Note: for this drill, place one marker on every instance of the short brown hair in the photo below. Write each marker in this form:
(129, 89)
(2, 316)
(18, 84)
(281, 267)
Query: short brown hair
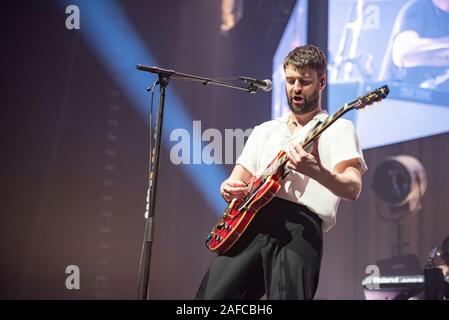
(308, 56)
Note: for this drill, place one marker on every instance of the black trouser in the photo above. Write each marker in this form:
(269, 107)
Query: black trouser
(279, 255)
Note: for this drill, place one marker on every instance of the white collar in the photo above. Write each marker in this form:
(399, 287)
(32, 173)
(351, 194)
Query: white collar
(320, 116)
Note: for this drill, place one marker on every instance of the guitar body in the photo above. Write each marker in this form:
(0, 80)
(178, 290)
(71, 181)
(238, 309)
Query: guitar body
(239, 213)
(238, 216)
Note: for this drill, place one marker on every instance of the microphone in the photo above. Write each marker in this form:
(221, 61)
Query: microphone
(265, 85)
(145, 68)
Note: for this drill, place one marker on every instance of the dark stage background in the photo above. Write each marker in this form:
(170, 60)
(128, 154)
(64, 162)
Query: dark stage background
(75, 155)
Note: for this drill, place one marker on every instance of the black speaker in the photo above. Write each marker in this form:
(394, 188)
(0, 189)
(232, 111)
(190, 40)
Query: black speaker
(434, 283)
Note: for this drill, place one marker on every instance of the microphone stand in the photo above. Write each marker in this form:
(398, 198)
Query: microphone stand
(164, 77)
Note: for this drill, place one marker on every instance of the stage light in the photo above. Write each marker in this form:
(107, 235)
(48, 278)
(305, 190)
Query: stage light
(112, 37)
(399, 180)
(399, 183)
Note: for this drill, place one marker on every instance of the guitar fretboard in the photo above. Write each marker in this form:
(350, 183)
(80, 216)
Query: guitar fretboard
(361, 102)
(311, 135)
(371, 97)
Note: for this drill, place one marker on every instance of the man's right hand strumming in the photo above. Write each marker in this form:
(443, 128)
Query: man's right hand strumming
(231, 189)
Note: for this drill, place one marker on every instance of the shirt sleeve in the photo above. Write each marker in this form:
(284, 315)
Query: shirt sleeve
(345, 145)
(249, 155)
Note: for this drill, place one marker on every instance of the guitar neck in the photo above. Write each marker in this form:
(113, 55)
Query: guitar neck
(359, 103)
(317, 131)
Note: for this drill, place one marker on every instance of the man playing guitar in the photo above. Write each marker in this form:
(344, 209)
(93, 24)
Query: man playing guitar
(279, 254)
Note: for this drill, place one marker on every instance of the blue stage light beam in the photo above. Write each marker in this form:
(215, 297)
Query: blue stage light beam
(111, 36)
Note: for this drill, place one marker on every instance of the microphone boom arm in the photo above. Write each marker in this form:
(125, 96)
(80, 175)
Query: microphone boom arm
(184, 76)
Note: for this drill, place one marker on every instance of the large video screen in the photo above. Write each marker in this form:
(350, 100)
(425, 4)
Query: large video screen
(401, 43)
(295, 34)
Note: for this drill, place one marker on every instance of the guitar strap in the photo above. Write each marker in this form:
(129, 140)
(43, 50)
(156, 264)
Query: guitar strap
(304, 131)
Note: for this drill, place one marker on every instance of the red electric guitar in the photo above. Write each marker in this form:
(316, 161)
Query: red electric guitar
(239, 213)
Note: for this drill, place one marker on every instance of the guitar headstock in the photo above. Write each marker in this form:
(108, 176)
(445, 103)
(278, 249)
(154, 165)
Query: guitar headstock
(369, 98)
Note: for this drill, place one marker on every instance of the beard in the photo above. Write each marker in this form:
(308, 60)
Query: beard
(309, 104)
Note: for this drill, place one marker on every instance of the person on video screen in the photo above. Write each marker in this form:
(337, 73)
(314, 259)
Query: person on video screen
(418, 53)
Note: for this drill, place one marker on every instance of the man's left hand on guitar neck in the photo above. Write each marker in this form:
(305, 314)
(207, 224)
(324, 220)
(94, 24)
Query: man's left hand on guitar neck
(344, 181)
